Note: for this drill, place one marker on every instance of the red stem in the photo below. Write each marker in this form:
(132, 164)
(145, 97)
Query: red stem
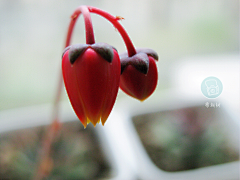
(114, 20)
(89, 40)
(88, 25)
(54, 127)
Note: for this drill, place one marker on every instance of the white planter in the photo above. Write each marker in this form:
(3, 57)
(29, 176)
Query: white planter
(40, 115)
(121, 143)
(127, 144)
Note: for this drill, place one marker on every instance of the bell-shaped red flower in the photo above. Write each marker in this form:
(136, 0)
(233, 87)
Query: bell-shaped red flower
(139, 73)
(91, 75)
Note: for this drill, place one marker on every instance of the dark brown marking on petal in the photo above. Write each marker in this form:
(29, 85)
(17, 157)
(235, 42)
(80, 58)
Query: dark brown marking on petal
(149, 52)
(104, 50)
(65, 50)
(76, 50)
(140, 61)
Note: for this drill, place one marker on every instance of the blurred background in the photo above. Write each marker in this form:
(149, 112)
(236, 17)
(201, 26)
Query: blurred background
(195, 39)
(32, 36)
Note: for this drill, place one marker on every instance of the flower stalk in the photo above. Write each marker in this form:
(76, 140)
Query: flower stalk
(44, 159)
(92, 74)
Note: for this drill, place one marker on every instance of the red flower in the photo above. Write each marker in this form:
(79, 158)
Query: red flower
(91, 75)
(91, 71)
(139, 74)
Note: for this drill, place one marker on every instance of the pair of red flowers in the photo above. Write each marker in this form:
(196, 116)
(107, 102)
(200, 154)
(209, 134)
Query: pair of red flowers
(93, 72)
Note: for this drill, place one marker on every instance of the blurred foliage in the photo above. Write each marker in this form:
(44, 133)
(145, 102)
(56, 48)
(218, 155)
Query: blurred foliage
(184, 139)
(75, 154)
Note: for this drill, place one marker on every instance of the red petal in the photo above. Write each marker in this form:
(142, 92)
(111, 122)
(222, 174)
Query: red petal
(92, 84)
(91, 71)
(137, 84)
(113, 81)
(70, 81)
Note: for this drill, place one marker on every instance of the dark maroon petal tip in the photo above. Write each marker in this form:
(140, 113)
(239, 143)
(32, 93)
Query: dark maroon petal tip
(149, 52)
(140, 61)
(76, 50)
(104, 50)
(65, 50)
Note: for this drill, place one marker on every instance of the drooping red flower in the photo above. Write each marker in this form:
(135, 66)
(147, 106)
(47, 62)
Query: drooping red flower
(91, 71)
(91, 75)
(139, 73)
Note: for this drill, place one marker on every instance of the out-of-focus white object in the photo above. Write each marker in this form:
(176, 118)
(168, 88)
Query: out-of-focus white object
(40, 115)
(120, 141)
(125, 141)
(188, 74)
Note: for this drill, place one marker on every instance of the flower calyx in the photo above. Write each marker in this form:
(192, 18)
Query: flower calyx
(103, 49)
(140, 60)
